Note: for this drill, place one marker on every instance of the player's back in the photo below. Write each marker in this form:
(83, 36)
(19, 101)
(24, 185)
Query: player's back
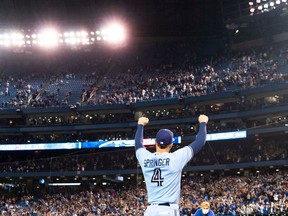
(162, 173)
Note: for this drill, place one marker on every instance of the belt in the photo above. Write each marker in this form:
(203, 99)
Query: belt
(160, 204)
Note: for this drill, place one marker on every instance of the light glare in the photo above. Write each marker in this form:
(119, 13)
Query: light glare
(49, 37)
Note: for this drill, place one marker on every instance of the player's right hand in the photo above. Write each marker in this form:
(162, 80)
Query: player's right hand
(143, 121)
(203, 118)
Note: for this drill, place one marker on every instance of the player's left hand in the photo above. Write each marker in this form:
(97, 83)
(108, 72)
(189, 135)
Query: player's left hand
(143, 121)
(203, 118)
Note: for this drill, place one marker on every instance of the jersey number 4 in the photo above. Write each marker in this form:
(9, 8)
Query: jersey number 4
(156, 177)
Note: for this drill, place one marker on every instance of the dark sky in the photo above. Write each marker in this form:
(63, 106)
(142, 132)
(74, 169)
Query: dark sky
(145, 18)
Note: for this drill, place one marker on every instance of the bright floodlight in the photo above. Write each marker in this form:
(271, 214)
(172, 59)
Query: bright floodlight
(13, 38)
(84, 33)
(48, 38)
(114, 33)
(76, 37)
(7, 43)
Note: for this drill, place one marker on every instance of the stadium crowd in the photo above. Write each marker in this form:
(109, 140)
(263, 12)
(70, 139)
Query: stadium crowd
(250, 194)
(159, 113)
(260, 149)
(129, 79)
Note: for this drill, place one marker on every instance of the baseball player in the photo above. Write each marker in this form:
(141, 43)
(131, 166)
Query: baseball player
(162, 169)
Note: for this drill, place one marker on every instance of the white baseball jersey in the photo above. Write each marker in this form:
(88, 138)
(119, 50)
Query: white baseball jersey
(162, 173)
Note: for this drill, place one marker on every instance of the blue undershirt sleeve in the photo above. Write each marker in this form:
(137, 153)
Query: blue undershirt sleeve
(200, 140)
(139, 137)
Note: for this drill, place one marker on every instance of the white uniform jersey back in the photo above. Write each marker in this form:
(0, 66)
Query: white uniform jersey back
(162, 173)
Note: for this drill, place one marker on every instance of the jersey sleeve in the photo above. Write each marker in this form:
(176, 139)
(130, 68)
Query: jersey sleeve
(139, 137)
(200, 140)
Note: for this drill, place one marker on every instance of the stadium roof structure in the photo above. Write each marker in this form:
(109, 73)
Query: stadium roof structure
(150, 18)
(146, 18)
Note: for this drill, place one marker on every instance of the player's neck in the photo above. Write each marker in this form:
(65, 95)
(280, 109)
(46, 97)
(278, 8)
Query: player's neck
(162, 150)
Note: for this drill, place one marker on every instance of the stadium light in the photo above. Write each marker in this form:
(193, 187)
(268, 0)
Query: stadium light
(76, 37)
(7, 43)
(112, 33)
(116, 32)
(103, 32)
(13, 38)
(48, 38)
(264, 5)
(64, 184)
(84, 33)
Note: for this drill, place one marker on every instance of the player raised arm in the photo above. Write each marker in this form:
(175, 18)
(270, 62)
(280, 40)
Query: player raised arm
(200, 140)
(142, 121)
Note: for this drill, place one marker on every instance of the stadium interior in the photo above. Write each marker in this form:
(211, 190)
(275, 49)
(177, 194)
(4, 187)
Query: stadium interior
(76, 76)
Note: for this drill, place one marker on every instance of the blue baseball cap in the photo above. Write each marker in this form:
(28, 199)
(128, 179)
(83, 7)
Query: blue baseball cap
(164, 137)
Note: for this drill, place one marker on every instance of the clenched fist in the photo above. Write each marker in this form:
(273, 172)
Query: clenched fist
(203, 118)
(143, 121)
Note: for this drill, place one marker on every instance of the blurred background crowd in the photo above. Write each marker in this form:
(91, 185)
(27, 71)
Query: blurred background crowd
(255, 194)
